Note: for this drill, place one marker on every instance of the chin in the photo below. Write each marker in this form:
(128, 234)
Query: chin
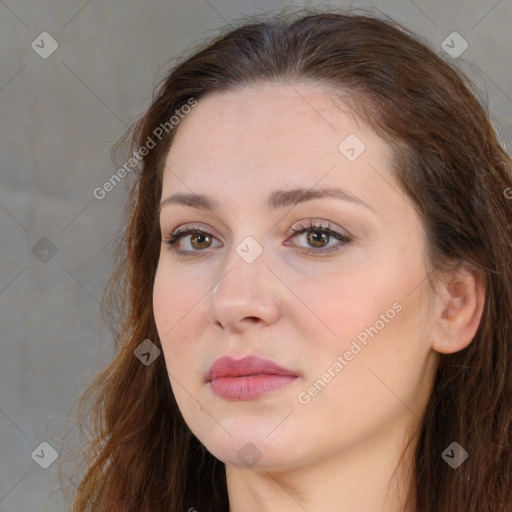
(250, 448)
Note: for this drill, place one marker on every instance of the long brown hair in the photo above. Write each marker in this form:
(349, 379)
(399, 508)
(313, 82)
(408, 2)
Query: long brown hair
(141, 456)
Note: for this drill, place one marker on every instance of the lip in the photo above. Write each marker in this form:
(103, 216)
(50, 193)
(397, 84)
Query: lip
(248, 378)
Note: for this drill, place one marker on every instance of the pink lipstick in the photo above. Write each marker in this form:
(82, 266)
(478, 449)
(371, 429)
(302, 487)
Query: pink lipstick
(247, 378)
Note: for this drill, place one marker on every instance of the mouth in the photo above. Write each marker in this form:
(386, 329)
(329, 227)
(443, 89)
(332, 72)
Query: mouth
(248, 378)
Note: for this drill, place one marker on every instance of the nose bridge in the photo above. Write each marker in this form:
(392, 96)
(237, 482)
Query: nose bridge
(244, 267)
(243, 289)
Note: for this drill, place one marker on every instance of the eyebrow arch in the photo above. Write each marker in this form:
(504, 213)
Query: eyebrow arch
(277, 199)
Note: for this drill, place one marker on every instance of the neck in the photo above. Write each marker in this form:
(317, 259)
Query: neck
(370, 477)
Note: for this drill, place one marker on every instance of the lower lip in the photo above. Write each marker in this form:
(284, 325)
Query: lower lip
(250, 387)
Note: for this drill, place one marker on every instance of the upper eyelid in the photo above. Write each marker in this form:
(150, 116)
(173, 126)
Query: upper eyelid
(305, 221)
(183, 230)
(308, 223)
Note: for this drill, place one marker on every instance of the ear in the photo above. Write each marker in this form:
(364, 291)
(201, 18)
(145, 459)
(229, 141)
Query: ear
(462, 302)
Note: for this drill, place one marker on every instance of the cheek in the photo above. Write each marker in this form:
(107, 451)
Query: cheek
(163, 291)
(340, 306)
(380, 327)
(367, 314)
(175, 310)
(176, 332)
(376, 356)
(176, 299)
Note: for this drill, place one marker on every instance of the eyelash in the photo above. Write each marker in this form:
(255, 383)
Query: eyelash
(179, 233)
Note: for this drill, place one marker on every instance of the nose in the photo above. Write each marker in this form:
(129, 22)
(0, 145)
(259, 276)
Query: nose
(245, 295)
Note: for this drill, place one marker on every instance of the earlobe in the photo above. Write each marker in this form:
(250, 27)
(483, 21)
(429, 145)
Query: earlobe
(461, 310)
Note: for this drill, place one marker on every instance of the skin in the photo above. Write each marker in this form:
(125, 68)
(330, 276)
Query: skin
(340, 450)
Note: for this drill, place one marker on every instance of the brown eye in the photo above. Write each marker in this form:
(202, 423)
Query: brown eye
(318, 239)
(189, 241)
(202, 240)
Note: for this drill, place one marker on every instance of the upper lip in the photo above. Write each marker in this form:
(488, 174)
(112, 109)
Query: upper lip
(249, 365)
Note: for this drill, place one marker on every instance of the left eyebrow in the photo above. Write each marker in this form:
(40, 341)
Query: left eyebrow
(277, 199)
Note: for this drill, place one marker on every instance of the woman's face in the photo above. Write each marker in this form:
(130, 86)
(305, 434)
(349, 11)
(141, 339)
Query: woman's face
(348, 318)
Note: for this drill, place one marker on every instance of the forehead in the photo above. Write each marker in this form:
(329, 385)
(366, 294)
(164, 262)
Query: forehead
(268, 109)
(281, 134)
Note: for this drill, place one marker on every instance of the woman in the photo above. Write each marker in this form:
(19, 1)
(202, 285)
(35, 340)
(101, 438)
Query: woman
(314, 287)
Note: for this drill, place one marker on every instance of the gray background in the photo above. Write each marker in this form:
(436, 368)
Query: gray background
(60, 116)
